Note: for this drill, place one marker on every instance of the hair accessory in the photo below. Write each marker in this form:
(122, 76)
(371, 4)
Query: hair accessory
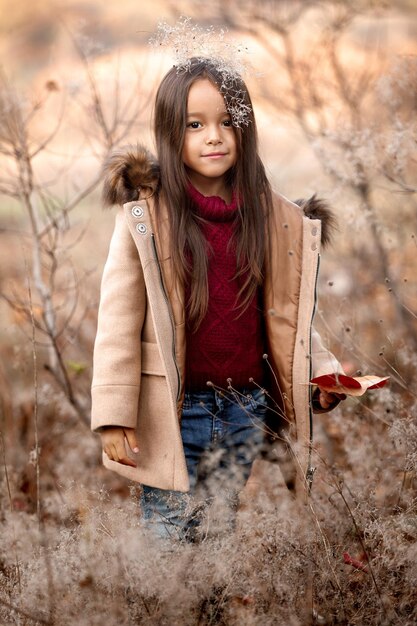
(188, 40)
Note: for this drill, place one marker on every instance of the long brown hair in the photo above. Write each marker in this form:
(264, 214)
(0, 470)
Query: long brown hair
(247, 178)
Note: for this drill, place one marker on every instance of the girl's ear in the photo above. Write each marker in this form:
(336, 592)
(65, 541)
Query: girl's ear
(126, 172)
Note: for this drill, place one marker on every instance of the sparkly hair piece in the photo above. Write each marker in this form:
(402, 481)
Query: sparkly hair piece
(188, 40)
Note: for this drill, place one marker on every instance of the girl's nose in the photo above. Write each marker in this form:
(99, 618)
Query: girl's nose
(213, 136)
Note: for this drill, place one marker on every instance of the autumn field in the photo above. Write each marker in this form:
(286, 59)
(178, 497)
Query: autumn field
(334, 90)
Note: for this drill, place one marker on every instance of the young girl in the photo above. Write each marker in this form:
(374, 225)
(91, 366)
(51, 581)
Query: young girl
(207, 300)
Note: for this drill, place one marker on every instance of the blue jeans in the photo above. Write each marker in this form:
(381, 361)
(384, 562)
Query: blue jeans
(222, 432)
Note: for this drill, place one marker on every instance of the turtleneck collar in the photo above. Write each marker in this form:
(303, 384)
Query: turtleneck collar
(213, 208)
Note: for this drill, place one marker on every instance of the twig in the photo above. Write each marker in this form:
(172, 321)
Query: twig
(339, 489)
(35, 389)
(38, 498)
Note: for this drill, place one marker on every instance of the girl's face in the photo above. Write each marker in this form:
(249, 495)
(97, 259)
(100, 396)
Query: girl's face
(209, 149)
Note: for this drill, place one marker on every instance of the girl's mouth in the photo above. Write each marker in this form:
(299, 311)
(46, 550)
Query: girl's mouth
(214, 155)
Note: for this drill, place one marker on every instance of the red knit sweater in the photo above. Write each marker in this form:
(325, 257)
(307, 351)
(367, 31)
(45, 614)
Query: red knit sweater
(225, 345)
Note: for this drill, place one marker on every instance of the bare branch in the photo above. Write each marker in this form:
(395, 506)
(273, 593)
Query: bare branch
(41, 147)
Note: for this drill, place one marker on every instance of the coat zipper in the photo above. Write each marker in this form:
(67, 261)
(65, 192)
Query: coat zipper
(310, 469)
(174, 356)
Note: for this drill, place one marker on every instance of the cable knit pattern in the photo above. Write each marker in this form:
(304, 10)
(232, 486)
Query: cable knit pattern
(225, 345)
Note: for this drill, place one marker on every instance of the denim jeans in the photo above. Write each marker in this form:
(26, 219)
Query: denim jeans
(222, 432)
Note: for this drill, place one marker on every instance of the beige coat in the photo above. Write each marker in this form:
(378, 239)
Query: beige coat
(139, 353)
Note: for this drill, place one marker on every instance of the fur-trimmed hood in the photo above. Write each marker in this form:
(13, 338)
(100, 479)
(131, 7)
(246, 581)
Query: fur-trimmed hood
(128, 172)
(132, 172)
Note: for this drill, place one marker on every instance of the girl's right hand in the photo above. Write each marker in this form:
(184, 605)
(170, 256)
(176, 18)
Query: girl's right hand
(113, 442)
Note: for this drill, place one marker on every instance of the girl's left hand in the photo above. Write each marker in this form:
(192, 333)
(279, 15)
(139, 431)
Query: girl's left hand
(328, 400)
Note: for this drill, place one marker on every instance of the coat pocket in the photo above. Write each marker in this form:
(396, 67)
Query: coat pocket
(151, 359)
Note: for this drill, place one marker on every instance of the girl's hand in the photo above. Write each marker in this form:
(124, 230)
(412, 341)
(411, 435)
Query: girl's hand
(328, 400)
(113, 442)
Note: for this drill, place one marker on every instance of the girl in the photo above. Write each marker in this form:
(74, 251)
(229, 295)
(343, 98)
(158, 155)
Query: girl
(207, 299)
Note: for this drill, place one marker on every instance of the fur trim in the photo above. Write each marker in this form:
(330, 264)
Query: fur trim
(127, 172)
(318, 209)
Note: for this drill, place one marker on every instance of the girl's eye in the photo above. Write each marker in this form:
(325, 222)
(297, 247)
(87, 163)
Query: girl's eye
(193, 125)
(227, 123)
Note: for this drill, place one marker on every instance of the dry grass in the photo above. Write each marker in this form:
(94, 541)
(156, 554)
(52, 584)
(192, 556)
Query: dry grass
(90, 562)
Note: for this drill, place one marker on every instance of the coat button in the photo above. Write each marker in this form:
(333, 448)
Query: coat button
(141, 228)
(137, 211)
(314, 231)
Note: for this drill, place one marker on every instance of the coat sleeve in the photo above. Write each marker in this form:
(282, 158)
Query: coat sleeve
(117, 356)
(324, 362)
